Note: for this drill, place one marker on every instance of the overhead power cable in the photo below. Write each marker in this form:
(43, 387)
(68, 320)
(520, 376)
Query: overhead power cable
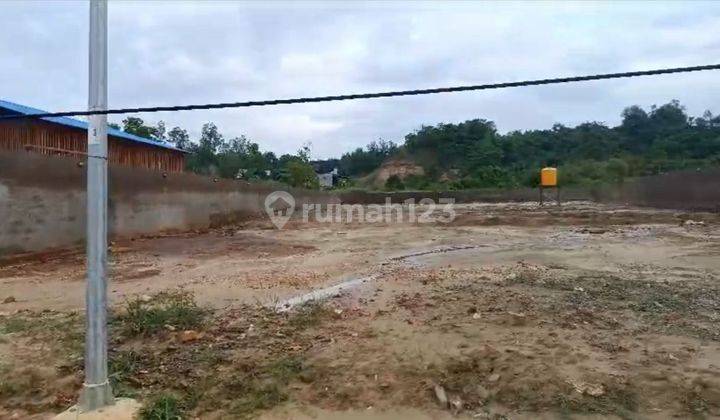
(314, 99)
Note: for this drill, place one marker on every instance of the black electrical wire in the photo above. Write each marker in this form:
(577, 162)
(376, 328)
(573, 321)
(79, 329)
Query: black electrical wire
(273, 102)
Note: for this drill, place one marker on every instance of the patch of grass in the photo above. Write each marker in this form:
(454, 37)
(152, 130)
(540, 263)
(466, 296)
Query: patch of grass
(619, 400)
(695, 403)
(261, 387)
(66, 329)
(660, 300)
(489, 376)
(208, 356)
(148, 316)
(256, 397)
(7, 388)
(648, 297)
(162, 407)
(18, 324)
(285, 369)
(122, 366)
(30, 386)
(311, 315)
(24, 384)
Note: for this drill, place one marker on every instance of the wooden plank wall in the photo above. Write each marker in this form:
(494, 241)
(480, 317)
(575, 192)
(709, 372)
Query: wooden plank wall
(54, 139)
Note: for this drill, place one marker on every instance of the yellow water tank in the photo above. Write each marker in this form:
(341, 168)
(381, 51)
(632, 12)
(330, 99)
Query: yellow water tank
(548, 177)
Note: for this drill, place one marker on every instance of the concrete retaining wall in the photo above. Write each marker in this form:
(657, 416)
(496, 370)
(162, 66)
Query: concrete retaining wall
(42, 201)
(464, 196)
(696, 190)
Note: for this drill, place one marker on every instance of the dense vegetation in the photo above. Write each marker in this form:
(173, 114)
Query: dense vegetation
(238, 157)
(663, 139)
(473, 154)
(363, 161)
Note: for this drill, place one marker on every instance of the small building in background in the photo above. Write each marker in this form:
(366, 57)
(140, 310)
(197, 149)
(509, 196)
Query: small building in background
(328, 180)
(326, 172)
(62, 136)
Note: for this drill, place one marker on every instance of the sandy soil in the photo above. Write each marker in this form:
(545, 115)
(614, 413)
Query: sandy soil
(257, 262)
(513, 311)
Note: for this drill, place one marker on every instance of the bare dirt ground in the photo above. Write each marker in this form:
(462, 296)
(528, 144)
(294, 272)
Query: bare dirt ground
(509, 311)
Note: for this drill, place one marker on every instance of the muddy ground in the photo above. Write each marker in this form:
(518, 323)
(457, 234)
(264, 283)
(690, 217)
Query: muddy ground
(509, 311)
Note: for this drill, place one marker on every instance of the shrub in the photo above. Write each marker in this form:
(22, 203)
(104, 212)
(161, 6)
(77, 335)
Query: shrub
(162, 407)
(148, 316)
(394, 183)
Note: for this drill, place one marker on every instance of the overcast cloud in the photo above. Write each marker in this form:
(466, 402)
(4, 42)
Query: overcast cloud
(163, 53)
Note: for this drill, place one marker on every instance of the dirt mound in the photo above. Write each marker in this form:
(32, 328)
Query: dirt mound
(398, 167)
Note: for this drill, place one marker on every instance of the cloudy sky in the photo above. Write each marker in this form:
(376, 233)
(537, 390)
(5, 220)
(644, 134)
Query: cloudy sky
(163, 53)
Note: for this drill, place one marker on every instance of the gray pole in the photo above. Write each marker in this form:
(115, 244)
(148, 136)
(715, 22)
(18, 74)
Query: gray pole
(96, 391)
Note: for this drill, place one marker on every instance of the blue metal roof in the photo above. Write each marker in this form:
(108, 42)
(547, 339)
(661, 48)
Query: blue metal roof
(83, 125)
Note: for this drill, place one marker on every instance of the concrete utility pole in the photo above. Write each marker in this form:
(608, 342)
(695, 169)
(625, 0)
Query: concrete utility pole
(96, 391)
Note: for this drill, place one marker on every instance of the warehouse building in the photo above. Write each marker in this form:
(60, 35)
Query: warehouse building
(62, 136)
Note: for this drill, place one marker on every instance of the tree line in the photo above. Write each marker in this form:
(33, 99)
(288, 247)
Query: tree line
(237, 157)
(473, 154)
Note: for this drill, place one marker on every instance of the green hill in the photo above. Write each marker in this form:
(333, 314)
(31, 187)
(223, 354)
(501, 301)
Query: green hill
(473, 154)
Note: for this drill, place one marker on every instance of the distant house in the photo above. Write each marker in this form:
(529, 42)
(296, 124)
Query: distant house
(327, 180)
(64, 136)
(241, 173)
(326, 172)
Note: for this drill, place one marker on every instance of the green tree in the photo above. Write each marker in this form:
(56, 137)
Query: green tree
(298, 173)
(160, 131)
(204, 158)
(242, 158)
(637, 129)
(210, 138)
(136, 125)
(665, 138)
(617, 170)
(669, 118)
(363, 161)
(179, 137)
(473, 154)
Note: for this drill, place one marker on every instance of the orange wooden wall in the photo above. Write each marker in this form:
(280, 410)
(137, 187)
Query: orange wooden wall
(53, 139)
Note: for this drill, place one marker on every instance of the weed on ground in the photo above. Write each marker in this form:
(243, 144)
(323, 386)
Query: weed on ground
(162, 407)
(240, 367)
(662, 306)
(166, 310)
(249, 359)
(311, 314)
